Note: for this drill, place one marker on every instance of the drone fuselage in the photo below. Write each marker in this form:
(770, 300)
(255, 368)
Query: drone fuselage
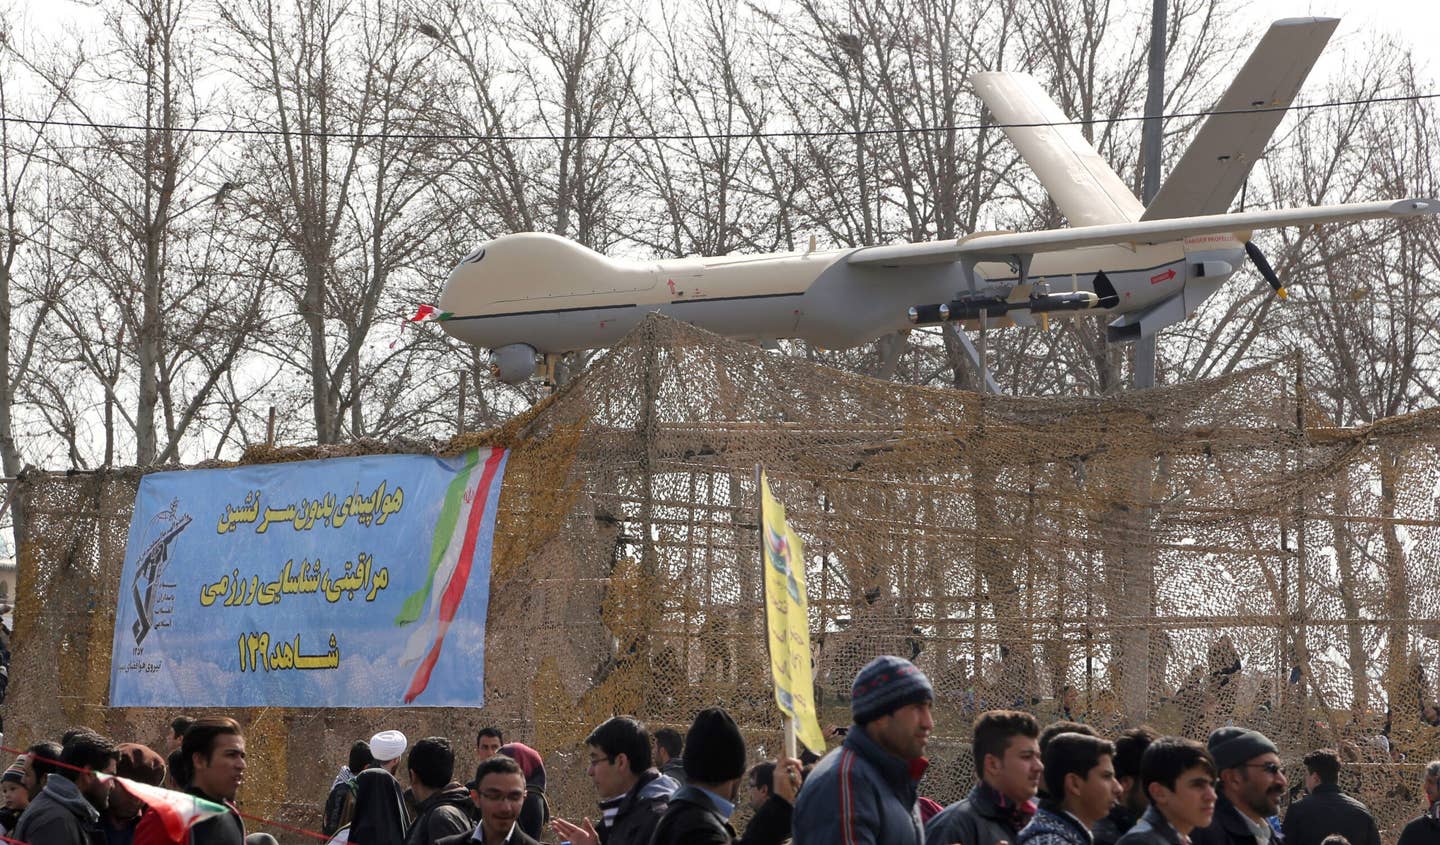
(557, 296)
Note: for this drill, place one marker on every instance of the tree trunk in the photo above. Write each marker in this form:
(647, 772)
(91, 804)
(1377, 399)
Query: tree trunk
(1356, 656)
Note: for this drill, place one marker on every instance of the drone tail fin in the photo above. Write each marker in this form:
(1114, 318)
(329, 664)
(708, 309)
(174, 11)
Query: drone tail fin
(1079, 180)
(1214, 167)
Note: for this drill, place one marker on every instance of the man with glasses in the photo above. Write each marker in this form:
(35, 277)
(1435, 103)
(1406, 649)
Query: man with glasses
(1251, 786)
(500, 793)
(633, 794)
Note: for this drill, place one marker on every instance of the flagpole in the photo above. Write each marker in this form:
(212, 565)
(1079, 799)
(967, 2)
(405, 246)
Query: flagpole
(787, 723)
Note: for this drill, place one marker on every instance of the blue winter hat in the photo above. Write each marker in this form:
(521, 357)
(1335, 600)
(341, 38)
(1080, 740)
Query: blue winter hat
(885, 685)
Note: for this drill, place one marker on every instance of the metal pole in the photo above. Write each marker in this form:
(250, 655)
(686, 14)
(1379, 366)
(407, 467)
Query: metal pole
(1154, 103)
(1142, 374)
(1137, 559)
(460, 421)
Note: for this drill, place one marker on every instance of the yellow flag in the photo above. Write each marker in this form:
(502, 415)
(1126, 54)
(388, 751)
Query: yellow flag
(787, 617)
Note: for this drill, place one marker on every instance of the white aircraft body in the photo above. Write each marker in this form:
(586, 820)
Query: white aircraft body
(530, 294)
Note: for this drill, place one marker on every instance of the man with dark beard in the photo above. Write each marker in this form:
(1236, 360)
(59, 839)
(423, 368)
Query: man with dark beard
(1251, 786)
(67, 811)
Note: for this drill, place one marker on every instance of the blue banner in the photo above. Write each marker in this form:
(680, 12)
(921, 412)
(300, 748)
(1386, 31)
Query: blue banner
(352, 582)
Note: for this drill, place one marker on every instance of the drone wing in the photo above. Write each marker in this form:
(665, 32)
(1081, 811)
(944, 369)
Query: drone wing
(1003, 246)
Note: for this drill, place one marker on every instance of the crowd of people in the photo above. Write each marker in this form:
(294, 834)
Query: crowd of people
(60, 793)
(1060, 785)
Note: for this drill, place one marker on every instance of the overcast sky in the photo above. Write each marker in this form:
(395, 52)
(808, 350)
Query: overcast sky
(1417, 22)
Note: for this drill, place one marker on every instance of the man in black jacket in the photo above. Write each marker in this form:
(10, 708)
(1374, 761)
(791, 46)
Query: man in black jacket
(67, 810)
(444, 805)
(1327, 810)
(1425, 830)
(500, 791)
(214, 750)
(1007, 760)
(1252, 783)
(699, 812)
(633, 795)
(773, 801)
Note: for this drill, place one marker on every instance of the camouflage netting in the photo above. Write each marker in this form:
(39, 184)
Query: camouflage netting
(1186, 557)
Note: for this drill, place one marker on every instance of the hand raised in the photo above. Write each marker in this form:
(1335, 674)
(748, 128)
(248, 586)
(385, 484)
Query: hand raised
(577, 835)
(787, 778)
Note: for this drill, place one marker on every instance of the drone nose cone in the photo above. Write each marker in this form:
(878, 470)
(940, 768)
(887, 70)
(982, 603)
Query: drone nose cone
(527, 265)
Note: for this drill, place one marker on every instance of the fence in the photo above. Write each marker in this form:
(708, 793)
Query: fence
(1187, 557)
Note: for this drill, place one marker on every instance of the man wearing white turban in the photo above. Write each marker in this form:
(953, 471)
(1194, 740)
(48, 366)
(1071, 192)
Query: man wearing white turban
(387, 747)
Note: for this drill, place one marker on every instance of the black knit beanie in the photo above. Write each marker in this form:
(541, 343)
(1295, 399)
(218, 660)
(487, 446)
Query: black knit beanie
(714, 748)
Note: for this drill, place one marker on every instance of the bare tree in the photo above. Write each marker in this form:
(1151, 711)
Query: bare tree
(147, 232)
(342, 90)
(22, 167)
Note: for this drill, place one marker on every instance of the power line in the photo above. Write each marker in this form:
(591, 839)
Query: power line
(695, 136)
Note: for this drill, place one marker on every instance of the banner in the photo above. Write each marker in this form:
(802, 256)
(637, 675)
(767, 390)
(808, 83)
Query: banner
(788, 619)
(352, 582)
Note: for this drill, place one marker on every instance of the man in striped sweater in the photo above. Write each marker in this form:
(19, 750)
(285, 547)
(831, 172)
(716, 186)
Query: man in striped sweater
(865, 791)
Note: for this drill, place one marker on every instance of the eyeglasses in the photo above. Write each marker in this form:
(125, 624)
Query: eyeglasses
(595, 761)
(1270, 768)
(497, 795)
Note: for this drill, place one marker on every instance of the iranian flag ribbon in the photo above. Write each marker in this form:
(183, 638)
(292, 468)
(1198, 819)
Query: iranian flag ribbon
(429, 313)
(178, 811)
(464, 533)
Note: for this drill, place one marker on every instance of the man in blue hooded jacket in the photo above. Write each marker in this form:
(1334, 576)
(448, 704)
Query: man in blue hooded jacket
(865, 791)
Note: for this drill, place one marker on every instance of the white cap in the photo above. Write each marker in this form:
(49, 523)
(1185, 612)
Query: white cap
(387, 745)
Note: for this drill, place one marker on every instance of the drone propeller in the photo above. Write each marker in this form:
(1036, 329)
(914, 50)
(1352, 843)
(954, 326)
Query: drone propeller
(1258, 259)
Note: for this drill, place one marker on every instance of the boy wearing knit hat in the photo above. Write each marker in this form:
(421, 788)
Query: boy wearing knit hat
(865, 791)
(699, 812)
(15, 797)
(1251, 786)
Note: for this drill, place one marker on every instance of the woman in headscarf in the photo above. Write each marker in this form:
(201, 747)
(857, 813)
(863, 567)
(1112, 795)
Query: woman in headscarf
(379, 816)
(535, 813)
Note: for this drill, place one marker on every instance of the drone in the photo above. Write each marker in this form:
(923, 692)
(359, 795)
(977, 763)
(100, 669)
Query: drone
(529, 297)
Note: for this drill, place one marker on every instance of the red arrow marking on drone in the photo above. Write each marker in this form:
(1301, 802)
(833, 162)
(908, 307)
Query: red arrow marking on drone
(1163, 277)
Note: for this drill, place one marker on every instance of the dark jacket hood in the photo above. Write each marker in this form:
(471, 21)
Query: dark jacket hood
(452, 793)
